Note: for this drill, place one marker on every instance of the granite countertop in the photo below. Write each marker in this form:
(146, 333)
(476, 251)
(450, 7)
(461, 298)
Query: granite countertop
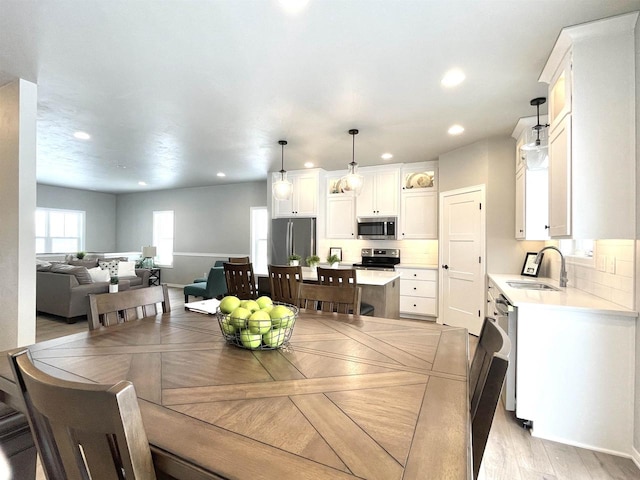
(566, 297)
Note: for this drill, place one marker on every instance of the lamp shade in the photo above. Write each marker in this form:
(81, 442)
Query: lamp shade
(148, 252)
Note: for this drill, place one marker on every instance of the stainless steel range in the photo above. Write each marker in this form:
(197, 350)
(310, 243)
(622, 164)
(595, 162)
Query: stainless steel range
(378, 259)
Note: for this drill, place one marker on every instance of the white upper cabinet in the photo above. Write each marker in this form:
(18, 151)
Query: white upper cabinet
(341, 209)
(380, 192)
(304, 199)
(532, 189)
(419, 201)
(592, 104)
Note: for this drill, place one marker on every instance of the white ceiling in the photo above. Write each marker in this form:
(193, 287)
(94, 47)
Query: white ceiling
(173, 92)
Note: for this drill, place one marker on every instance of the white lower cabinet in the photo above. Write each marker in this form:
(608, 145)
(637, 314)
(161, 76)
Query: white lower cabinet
(418, 292)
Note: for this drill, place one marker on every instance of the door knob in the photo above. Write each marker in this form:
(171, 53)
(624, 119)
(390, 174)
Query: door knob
(446, 267)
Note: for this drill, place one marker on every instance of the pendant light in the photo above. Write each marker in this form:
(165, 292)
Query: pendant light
(282, 188)
(535, 151)
(352, 182)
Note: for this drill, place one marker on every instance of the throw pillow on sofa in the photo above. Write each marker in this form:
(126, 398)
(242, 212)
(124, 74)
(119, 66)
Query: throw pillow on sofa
(126, 269)
(81, 273)
(99, 275)
(111, 266)
(84, 263)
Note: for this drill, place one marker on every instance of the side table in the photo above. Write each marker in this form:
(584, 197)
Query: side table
(154, 276)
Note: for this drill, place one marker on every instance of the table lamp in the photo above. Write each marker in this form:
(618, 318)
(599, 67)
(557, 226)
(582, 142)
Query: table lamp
(148, 253)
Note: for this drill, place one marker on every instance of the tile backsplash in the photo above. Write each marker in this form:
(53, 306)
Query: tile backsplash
(609, 274)
(419, 252)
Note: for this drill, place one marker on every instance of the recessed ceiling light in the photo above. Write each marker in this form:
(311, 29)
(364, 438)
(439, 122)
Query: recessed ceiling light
(82, 135)
(386, 156)
(220, 174)
(293, 7)
(142, 184)
(455, 129)
(308, 164)
(453, 77)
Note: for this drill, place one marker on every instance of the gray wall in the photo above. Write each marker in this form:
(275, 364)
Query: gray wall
(100, 211)
(489, 162)
(211, 223)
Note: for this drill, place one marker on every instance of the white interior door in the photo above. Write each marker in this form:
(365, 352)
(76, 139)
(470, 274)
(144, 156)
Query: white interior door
(462, 254)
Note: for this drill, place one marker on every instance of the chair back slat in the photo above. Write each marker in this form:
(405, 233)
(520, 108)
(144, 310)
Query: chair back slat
(240, 280)
(329, 298)
(83, 430)
(107, 309)
(486, 376)
(238, 259)
(284, 281)
(337, 276)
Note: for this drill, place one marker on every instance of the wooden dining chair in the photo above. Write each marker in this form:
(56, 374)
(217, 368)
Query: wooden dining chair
(283, 282)
(343, 277)
(486, 376)
(329, 298)
(241, 281)
(238, 259)
(83, 430)
(107, 309)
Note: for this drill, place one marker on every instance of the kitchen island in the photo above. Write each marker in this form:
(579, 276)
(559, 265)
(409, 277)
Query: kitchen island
(379, 288)
(574, 364)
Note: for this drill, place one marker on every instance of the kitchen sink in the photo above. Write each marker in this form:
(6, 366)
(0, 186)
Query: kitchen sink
(532, 286)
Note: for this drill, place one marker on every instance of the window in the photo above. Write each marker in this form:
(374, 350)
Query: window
(577, 248)
(163, 237)
(259, 227)
(59, 231)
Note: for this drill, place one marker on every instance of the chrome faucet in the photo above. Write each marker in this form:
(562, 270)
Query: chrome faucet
(563, 270)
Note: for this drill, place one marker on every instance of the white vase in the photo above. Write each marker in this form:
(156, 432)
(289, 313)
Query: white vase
(313, 267)
(113, 288)
(335, 264)
(294, 263)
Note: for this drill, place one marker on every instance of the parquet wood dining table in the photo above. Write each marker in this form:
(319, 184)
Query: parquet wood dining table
(349, 397)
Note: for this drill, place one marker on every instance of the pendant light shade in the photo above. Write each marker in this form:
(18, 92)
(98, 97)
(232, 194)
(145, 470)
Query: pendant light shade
(352, 182)
(282, 188)
(535, 151)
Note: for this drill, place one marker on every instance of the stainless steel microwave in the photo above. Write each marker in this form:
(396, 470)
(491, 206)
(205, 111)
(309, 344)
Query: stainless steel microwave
(377, 228)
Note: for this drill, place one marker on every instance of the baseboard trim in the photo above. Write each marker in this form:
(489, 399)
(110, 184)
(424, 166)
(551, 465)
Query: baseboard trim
(635, 456)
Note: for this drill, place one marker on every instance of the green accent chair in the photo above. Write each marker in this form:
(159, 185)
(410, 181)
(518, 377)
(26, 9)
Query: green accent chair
(214, 287)
(218, 263)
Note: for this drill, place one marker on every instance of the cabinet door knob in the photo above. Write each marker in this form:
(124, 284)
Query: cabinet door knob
(414, 288)
(546, 227)
(446, 267)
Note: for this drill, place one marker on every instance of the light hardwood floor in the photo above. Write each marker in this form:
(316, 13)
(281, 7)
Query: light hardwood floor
(511, 453)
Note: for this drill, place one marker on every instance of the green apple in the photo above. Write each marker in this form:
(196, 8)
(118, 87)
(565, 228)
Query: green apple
(274, 338)
(259, 322)
(267, 309)
(227, 327)
(250, 340)
(264, 302)
(229, 303)
(239, 317)
(250, 305)
(279, 315)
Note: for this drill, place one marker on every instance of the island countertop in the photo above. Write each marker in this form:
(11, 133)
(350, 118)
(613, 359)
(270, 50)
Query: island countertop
(564, 297)
(364, 277)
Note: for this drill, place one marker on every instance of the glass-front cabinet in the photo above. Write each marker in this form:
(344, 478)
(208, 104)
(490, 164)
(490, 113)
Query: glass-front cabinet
(419, 201)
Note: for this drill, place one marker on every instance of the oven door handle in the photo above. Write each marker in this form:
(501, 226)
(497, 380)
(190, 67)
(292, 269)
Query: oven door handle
(503, 306)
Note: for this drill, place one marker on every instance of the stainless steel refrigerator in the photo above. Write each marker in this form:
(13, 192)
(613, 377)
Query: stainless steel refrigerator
(292, 235)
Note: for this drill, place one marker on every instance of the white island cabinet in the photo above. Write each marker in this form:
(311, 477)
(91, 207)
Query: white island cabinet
(574, 366)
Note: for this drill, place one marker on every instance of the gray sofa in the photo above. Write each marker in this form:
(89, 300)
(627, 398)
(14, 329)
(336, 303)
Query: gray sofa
(64, 295)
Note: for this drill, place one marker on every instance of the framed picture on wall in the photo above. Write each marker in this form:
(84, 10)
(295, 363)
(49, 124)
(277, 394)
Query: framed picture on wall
(530, 267)
(336, 251)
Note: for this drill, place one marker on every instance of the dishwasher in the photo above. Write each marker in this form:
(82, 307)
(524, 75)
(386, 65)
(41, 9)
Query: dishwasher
(507, 319)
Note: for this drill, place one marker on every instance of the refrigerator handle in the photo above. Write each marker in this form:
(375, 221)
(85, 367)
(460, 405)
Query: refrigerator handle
(292, 237)
(289, 245)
